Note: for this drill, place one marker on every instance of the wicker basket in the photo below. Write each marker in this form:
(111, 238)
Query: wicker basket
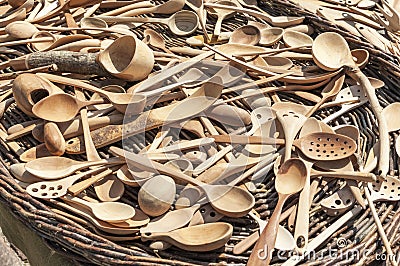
(72, 237)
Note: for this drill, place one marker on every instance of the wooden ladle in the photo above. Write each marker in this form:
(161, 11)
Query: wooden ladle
(334, 45)
(56, 167)
(60, 107)
(228, 200)
(289, 180)
(120, 101)
(221, 14)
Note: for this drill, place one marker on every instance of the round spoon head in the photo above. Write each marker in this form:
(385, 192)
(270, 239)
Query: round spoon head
(291, 177)
(246, 35)
(230, 201)
(183, 23)
(270, 36)
(295, 38)
(91, 22)
(156, 195)
(51, 167)
(112, 211)
(390, 114)
(360, 57)
(20, 29)
(278, 62)
(57, 108)
(339, 202)
(331, 51)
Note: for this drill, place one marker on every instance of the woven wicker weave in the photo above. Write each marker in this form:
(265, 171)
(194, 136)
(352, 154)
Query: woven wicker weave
(79, 242)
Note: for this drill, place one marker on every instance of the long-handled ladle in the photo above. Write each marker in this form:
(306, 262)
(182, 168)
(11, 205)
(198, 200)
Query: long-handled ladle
(331, 52)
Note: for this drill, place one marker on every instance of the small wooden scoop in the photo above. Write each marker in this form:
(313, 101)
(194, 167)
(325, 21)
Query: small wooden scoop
(339, 202)
(199, 238)
(326, 146)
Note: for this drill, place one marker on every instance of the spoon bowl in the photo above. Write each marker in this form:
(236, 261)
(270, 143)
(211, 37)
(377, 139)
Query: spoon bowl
(246, 35)
(270, 36)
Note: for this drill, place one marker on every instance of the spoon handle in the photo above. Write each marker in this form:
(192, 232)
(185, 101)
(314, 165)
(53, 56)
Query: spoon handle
(262, 252)
(246, 243)
(383, 166)
(132, 19)
(79, 187)
(366, 177)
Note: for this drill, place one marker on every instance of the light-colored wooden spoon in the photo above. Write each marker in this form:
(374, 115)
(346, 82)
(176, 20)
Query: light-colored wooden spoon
(156, 196)
(106, 211)
(390, 114)
(168, 7)
(339, 202)
(198, 7)
(340, 56)
(53, 139)
(153, 38)
(289, 180)
(246, 34)
(181, 23)
(296, 39)
(60, 107)
(171, 220)
(330, 90)
(221, 14)
(57, 167)
(199, 238)
(291, 123)
(270, 36)
(120, 101)
(326, 146)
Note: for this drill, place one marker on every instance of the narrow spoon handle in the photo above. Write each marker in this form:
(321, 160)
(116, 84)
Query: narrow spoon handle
(133, 19)
(262, 252)
(384, 153)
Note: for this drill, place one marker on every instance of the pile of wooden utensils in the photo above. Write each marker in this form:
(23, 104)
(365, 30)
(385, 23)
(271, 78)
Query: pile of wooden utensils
(101, 83)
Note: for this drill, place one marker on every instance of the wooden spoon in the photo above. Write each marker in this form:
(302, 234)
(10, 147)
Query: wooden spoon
(246, 34)
(181, 23)
(270, 36)
(281, 21)
(291, 123)
(57, 167)
(296, 39)
(340, 56)
(171, 220)
(204, 97)
(153, 38)
(19, 172)
(120, 101)
(53, 139)
(228, 200)
(390, 114)
(156, 196)
(106, 211)
(20, 30)
(326, 146)
(330, 90)
(60, 107)
(221, 14)
(290, 179)
(199, 238)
